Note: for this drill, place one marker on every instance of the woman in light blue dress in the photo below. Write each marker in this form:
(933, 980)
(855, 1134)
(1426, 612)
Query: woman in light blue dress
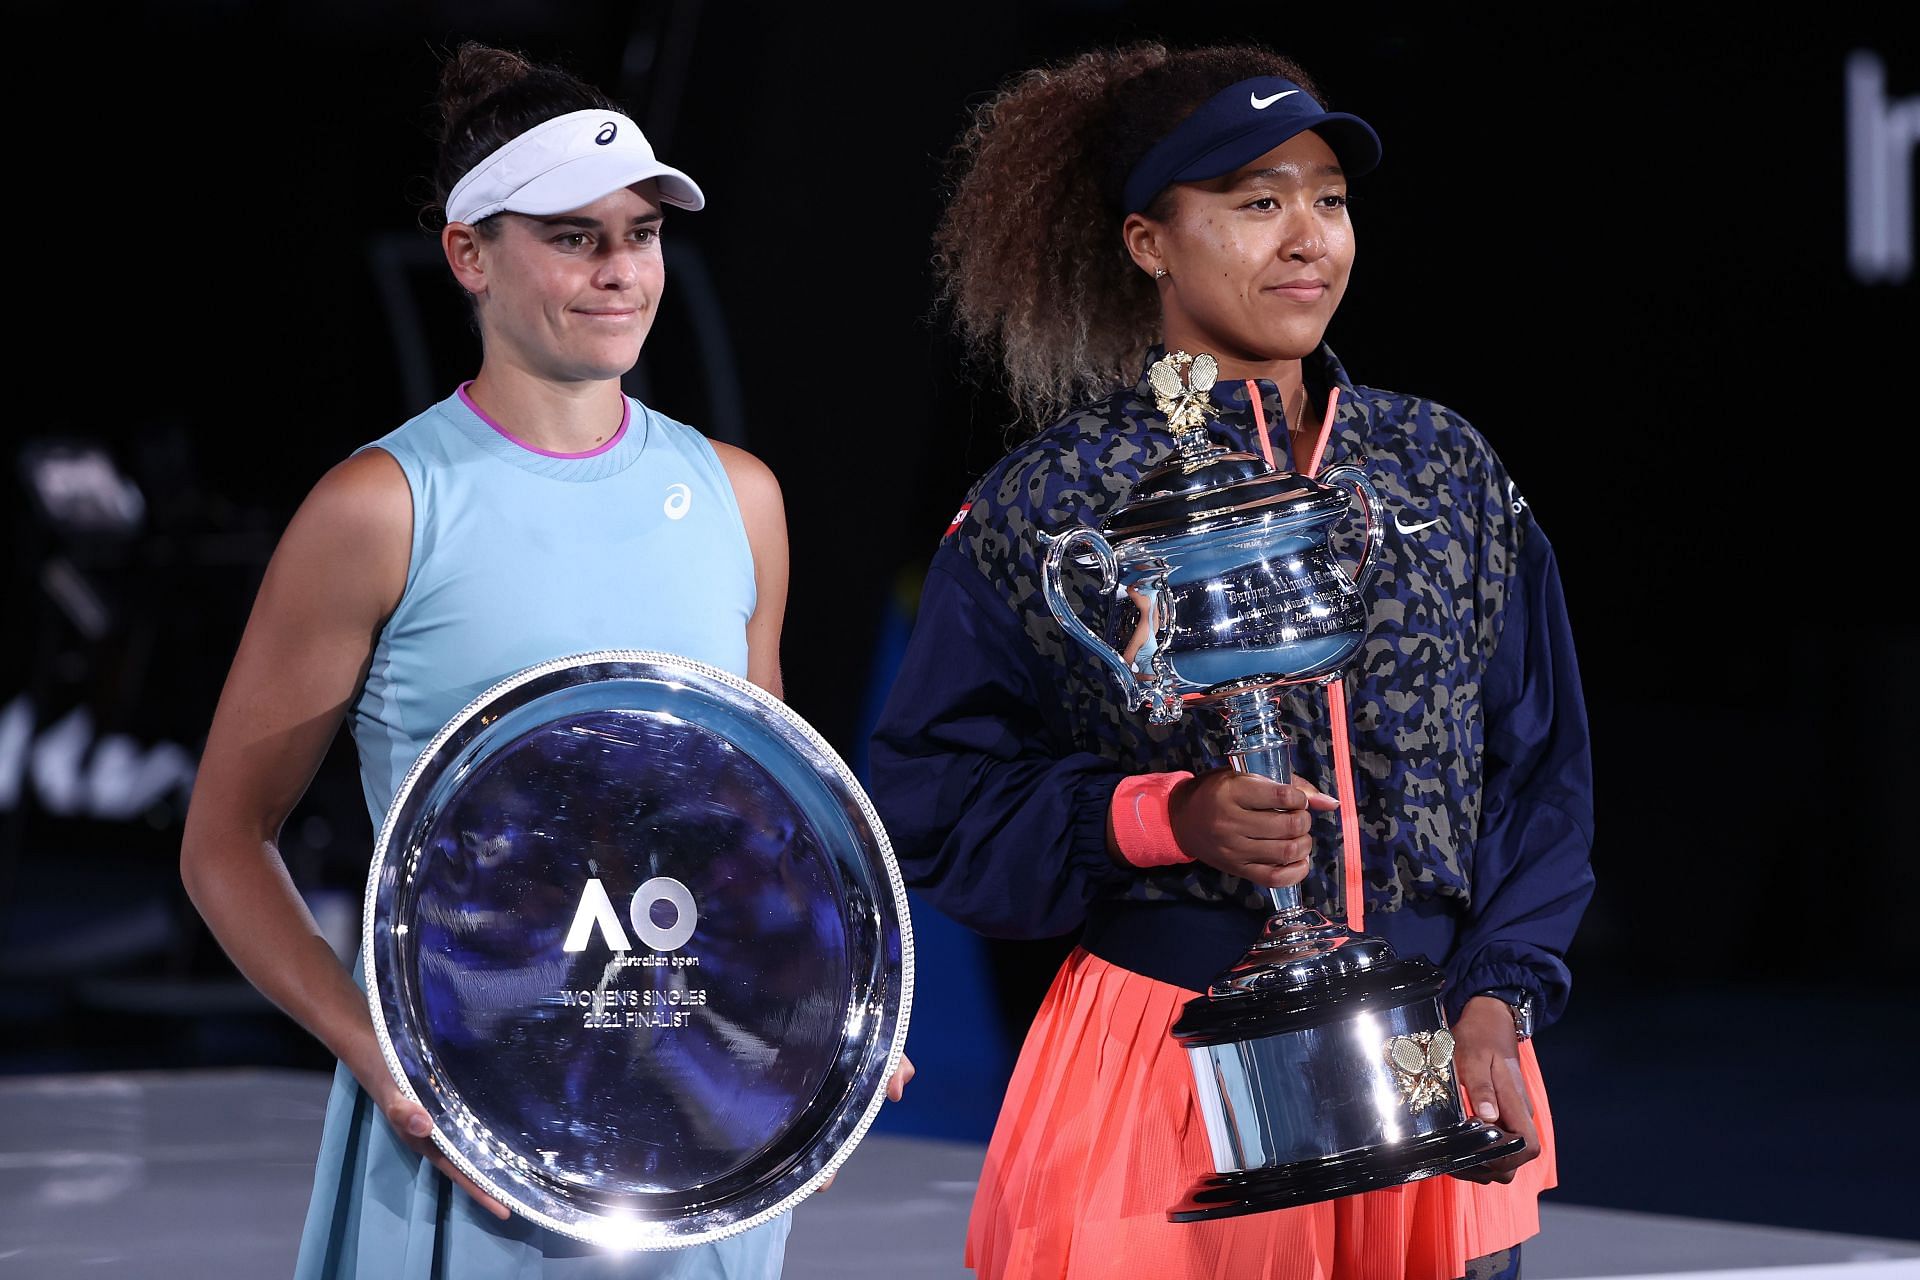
(535, 513)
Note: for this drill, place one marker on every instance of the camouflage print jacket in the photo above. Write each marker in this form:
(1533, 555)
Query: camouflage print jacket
(997, 755)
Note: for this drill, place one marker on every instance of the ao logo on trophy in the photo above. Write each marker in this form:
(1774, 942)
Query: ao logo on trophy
(596, 912)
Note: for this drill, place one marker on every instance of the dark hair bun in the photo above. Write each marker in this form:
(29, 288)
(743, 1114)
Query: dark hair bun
(473, 74)
(488, 97)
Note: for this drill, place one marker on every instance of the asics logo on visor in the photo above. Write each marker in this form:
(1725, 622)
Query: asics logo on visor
(606, 134)
(1261, 104)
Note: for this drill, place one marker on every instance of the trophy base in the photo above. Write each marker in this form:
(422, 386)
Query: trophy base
(1230, 1195)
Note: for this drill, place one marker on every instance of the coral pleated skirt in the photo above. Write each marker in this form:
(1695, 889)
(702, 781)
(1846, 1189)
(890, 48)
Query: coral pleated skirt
(1100, 1134)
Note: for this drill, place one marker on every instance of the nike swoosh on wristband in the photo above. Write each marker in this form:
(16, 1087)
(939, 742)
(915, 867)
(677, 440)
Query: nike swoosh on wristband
(1261, 104)
(1413, 528)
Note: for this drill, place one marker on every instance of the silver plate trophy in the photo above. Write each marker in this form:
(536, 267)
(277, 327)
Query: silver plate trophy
(1322, 1061)
(636, 941)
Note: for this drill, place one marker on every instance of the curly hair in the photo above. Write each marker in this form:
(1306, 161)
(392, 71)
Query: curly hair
(1028, 253)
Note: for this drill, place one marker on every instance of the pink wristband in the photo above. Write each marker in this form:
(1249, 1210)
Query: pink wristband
(1141, 826)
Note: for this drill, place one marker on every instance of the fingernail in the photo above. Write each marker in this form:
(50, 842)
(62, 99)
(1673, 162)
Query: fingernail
(419, 1126)
(1489, 1112)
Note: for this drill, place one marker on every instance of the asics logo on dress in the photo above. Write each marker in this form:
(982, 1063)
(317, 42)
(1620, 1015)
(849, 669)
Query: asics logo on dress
(679, 498)
(1261, 104)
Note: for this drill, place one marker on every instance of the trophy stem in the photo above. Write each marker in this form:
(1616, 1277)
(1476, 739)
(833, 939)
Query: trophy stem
(1261, 744)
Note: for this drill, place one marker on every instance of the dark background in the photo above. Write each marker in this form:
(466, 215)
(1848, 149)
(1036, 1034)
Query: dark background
(1615, 239)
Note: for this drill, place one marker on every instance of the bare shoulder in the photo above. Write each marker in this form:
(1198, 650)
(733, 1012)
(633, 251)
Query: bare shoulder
(367, 494)
(354, 532)
(754, 485)
(758, 494)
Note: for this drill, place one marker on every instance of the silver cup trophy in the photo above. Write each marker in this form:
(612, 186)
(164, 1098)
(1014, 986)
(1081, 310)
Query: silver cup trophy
(1321, 1060)
(636, 941)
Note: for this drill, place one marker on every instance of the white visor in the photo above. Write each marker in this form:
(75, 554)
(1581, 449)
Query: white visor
(563, 163)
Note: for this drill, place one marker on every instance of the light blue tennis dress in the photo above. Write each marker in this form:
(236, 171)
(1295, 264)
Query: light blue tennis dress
(520, 556)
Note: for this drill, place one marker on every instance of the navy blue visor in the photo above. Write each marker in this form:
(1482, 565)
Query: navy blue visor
(1240, 124)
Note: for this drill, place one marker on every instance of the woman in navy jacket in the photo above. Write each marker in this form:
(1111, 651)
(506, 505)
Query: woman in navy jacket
(1123, 204)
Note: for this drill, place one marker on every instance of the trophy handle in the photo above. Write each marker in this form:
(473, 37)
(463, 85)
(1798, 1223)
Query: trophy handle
(1354, 481)
(1059, 547)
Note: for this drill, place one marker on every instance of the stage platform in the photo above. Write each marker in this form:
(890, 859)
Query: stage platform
(189, 1175)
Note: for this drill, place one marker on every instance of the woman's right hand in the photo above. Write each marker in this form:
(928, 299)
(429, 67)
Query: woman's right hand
(408, 1119)
(1247, 825)
(332, 583)
(415, 1128)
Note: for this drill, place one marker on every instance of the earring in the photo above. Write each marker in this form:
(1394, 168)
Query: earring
(1159, 273)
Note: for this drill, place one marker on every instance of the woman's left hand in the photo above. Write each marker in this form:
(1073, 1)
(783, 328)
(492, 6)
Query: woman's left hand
(1486, 1054)
(897, 1082)
(896, 1086)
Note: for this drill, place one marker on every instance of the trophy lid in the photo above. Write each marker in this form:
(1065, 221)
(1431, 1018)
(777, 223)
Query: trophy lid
(1187, 496)
(1203, 485)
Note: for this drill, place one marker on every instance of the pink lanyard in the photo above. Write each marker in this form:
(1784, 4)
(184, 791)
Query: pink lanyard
(1353, 894)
